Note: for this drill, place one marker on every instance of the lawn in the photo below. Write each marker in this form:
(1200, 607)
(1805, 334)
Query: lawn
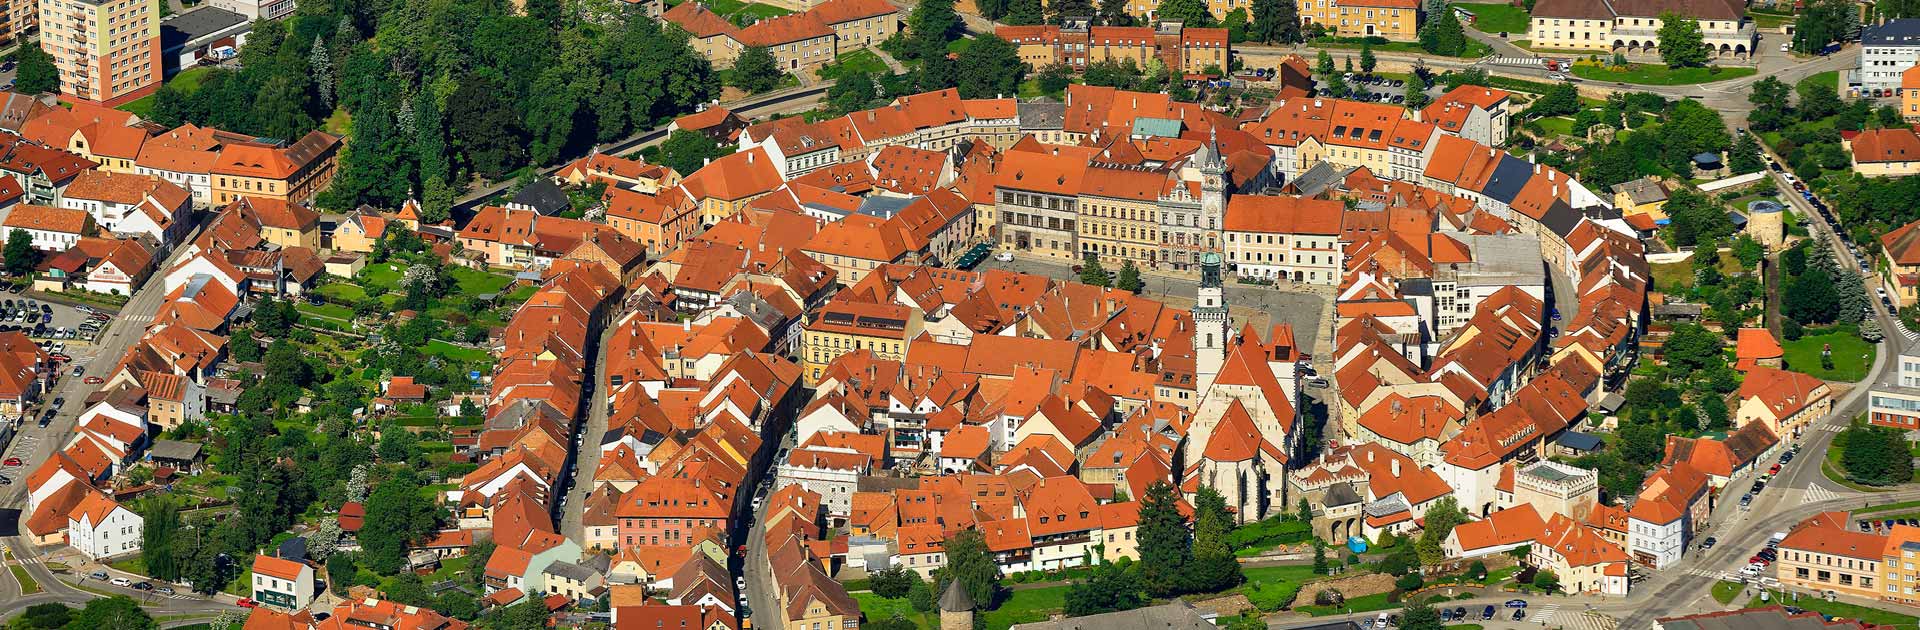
(457, 353)
(385, 274)
(1887, 507)
(1770, 20)
(1830, 79)
(344, 292)
(187, 82)
(1557, 125)
(877, 608)
(1725, 592)
(28, 585)
(473, 282)
(1364, 603)
(862, 60)
(763, 11)
(1498, 18)
(136, 565)
(1843, 610)
(1649, 74)
(1027, 606)
(328, 311)
(1852, 356)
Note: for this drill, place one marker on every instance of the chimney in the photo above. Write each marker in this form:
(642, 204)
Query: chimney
(1396, 468)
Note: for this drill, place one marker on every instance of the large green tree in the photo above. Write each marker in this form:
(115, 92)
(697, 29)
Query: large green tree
(969, 562)
(159, 527)
(1875, 455)
(1681, 43)
(687, 151)
(1817, 100)
(1441, 518)
(1275, 21)
(756, 70)
(118, 612)
(1192, 13)
(1025, 12)
(1772, 105)
(20, 255)
(34, 72)
(1165, 543)
(1822, 23)
(1443, 35)
(1213, 567)
(990, 68)
(932, 25)
(1109, 587)
(397, 515)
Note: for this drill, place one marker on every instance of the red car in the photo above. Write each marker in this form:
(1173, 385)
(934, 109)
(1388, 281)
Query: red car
(11, 462)
(95, 380)
(1775, 470)
(61, 356)
(246, 602)
(1759, 560)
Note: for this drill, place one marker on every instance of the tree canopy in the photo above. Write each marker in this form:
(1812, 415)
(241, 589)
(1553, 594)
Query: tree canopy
(1682, 45)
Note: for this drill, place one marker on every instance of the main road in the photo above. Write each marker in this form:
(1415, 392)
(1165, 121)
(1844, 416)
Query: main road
(35, 444)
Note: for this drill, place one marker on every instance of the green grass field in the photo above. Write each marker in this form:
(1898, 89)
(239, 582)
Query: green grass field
(1852, 356)
(1888, 507)
(384, 274)
(472, 282)
(1725, 592)
(329, 311)
(862, 60)
(1027, 606)
(1830, 79)
(1364, 603)
(1843, 610)
(1557, 125)
(1498, 18)
(1648, 74)
(28, 585)
(457, 353)
(876, 608)
(188, 82)
(343, 291)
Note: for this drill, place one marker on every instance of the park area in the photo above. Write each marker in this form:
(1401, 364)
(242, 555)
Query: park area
(1655, 74)
(1497, 18)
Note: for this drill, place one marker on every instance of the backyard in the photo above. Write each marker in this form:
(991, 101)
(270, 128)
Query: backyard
(862, 60)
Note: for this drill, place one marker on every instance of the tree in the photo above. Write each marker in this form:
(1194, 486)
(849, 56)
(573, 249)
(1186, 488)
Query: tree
(1477, 570)
(1745, 157)
(1817, 100)
(118, 612)
(487, 132)
(160, 523)
(1320, 558)
(1213, 567)
(1129, 279)
(990, 68)
(1055, 78)
(1164, 541)
(1114, 13)
(1275, 21)
(1092, 273)
(1440, 521)
(1443, 35)
(35, 73)
(853, 92)
(1713, 412)
(1811, 298)
(1323, 64)
(1887, 117)
(686, 151)
(1409, 582)
(1875, 456)
(893, 582)
(48, 616)
(920, 595)
(1681, 43)
(1236, 24)
(1870, 330)
(1059, 10)
(969, 562)
(756, 70)
(1110, 587)
(1822, 23)
(1192, 13)
(1025, 13)
(397, 514)
(931, 26)
(1560, 100)
(1367, 60)
(20, 255)
(1416, 95)
(1771, 106)
(1546, 581)
(1642, 444)
(1419, 615)
(1692, 347)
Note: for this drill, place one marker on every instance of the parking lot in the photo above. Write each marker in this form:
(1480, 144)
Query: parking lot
(1377, 89)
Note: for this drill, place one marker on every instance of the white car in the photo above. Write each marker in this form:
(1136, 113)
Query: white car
(120, 581)
(1004, 256)
(1556, 76)
(1786, 46)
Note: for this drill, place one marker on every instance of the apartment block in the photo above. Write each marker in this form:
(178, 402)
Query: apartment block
(107, 51)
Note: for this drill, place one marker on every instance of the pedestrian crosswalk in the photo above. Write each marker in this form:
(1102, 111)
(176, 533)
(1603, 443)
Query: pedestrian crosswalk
(1705, 572)
(1830, 427)
(1817, 493)
(1545, 614)
(1909, 333)
(1589, 620)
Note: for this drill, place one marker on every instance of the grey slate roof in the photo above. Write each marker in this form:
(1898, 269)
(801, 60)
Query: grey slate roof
(542, 196)
(1041, 114)
(174, 450)
(956, 599)
(1508, 178)
(1892, 33)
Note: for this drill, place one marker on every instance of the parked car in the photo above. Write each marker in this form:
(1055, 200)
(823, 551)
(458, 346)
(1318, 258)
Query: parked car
(1709, 543)
(1519, 614)
(164, 590)
(246, 602)
(12, 462)
(1516, 603)
(120, 581)
(98, 575)
(143, 586)
(1487, 614)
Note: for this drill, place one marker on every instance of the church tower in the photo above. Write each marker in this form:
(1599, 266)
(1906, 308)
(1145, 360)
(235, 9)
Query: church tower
(1211, 328)
(1213, 190)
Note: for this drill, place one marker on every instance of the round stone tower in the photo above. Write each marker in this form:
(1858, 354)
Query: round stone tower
(956, 608)
(1766, 223)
